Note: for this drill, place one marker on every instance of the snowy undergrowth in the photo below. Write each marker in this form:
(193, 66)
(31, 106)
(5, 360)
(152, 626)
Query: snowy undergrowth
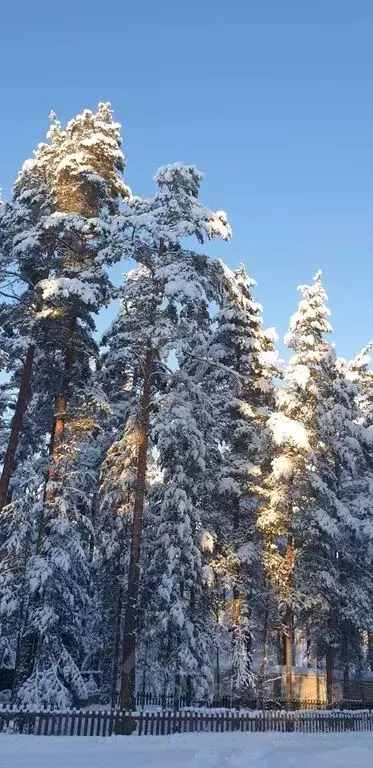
(238, 750)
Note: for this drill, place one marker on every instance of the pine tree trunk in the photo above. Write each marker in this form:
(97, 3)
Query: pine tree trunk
(58, 427)
(288, 634)
(144, 674)
(370, 650)
(25, 661)
(118, 632)
(236, 597)
(346, 667)
(263, 653)
(346, 681)
(217, 657)
(21, 625)
(289, 656)
(329, 674)
(59, 423)
(236, 611)
(128, 687)
(16, 426)
(329, 663)
(217, 673)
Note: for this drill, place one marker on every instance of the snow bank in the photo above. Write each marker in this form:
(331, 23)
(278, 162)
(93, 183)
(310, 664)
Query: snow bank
(201, 750)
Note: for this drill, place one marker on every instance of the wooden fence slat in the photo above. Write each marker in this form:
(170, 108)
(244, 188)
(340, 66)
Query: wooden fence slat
(80, 720)
(100, 719)
(152, 725)
(59, 725)
(93, 723)
(162, 722)
(86, 724)
(39, 724)
(111, 722)
(168, 722)
(105, 723)
(72, 723)
(66, 724)
(146, 729)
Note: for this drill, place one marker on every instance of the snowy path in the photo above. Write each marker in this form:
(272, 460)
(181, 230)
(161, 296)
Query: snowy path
(238, 750)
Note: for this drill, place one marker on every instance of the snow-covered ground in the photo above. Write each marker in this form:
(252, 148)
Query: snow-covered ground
(201, 750)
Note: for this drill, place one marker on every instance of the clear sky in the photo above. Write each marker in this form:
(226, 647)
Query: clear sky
(272, 99)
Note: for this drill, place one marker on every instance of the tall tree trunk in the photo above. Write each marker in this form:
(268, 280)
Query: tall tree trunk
(263, 652)
(329, 673)
(329, 660)
(346, 681)
(21, 624)
(289, 656)
(217, 672)
(288, 627)
(236, 615)
(236, 611)
(370, 650)
(128, 687)
(116, 650)
(58, 427)
(59, 423)
(236, 596)
(16, 425)
(346, 666)
(217, 657)
(308, 649)
(144, 675)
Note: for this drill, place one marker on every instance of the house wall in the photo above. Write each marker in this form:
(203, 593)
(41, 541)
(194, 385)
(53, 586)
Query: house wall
(311, 686)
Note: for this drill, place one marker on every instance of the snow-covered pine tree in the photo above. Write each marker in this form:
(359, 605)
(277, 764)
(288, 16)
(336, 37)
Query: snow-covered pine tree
(164, 290)
(310, 521)
(177, 654)
(82, 166)
(235, 367)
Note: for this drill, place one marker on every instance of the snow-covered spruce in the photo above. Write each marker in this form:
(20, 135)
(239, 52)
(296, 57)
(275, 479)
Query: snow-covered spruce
(317, 491)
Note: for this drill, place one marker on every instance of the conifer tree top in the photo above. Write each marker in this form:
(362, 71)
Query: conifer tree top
(84, 162)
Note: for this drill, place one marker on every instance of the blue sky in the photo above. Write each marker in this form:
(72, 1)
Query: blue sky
(272, 99)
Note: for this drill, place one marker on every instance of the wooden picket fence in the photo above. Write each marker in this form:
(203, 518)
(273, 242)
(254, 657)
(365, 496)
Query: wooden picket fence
(109, 722)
